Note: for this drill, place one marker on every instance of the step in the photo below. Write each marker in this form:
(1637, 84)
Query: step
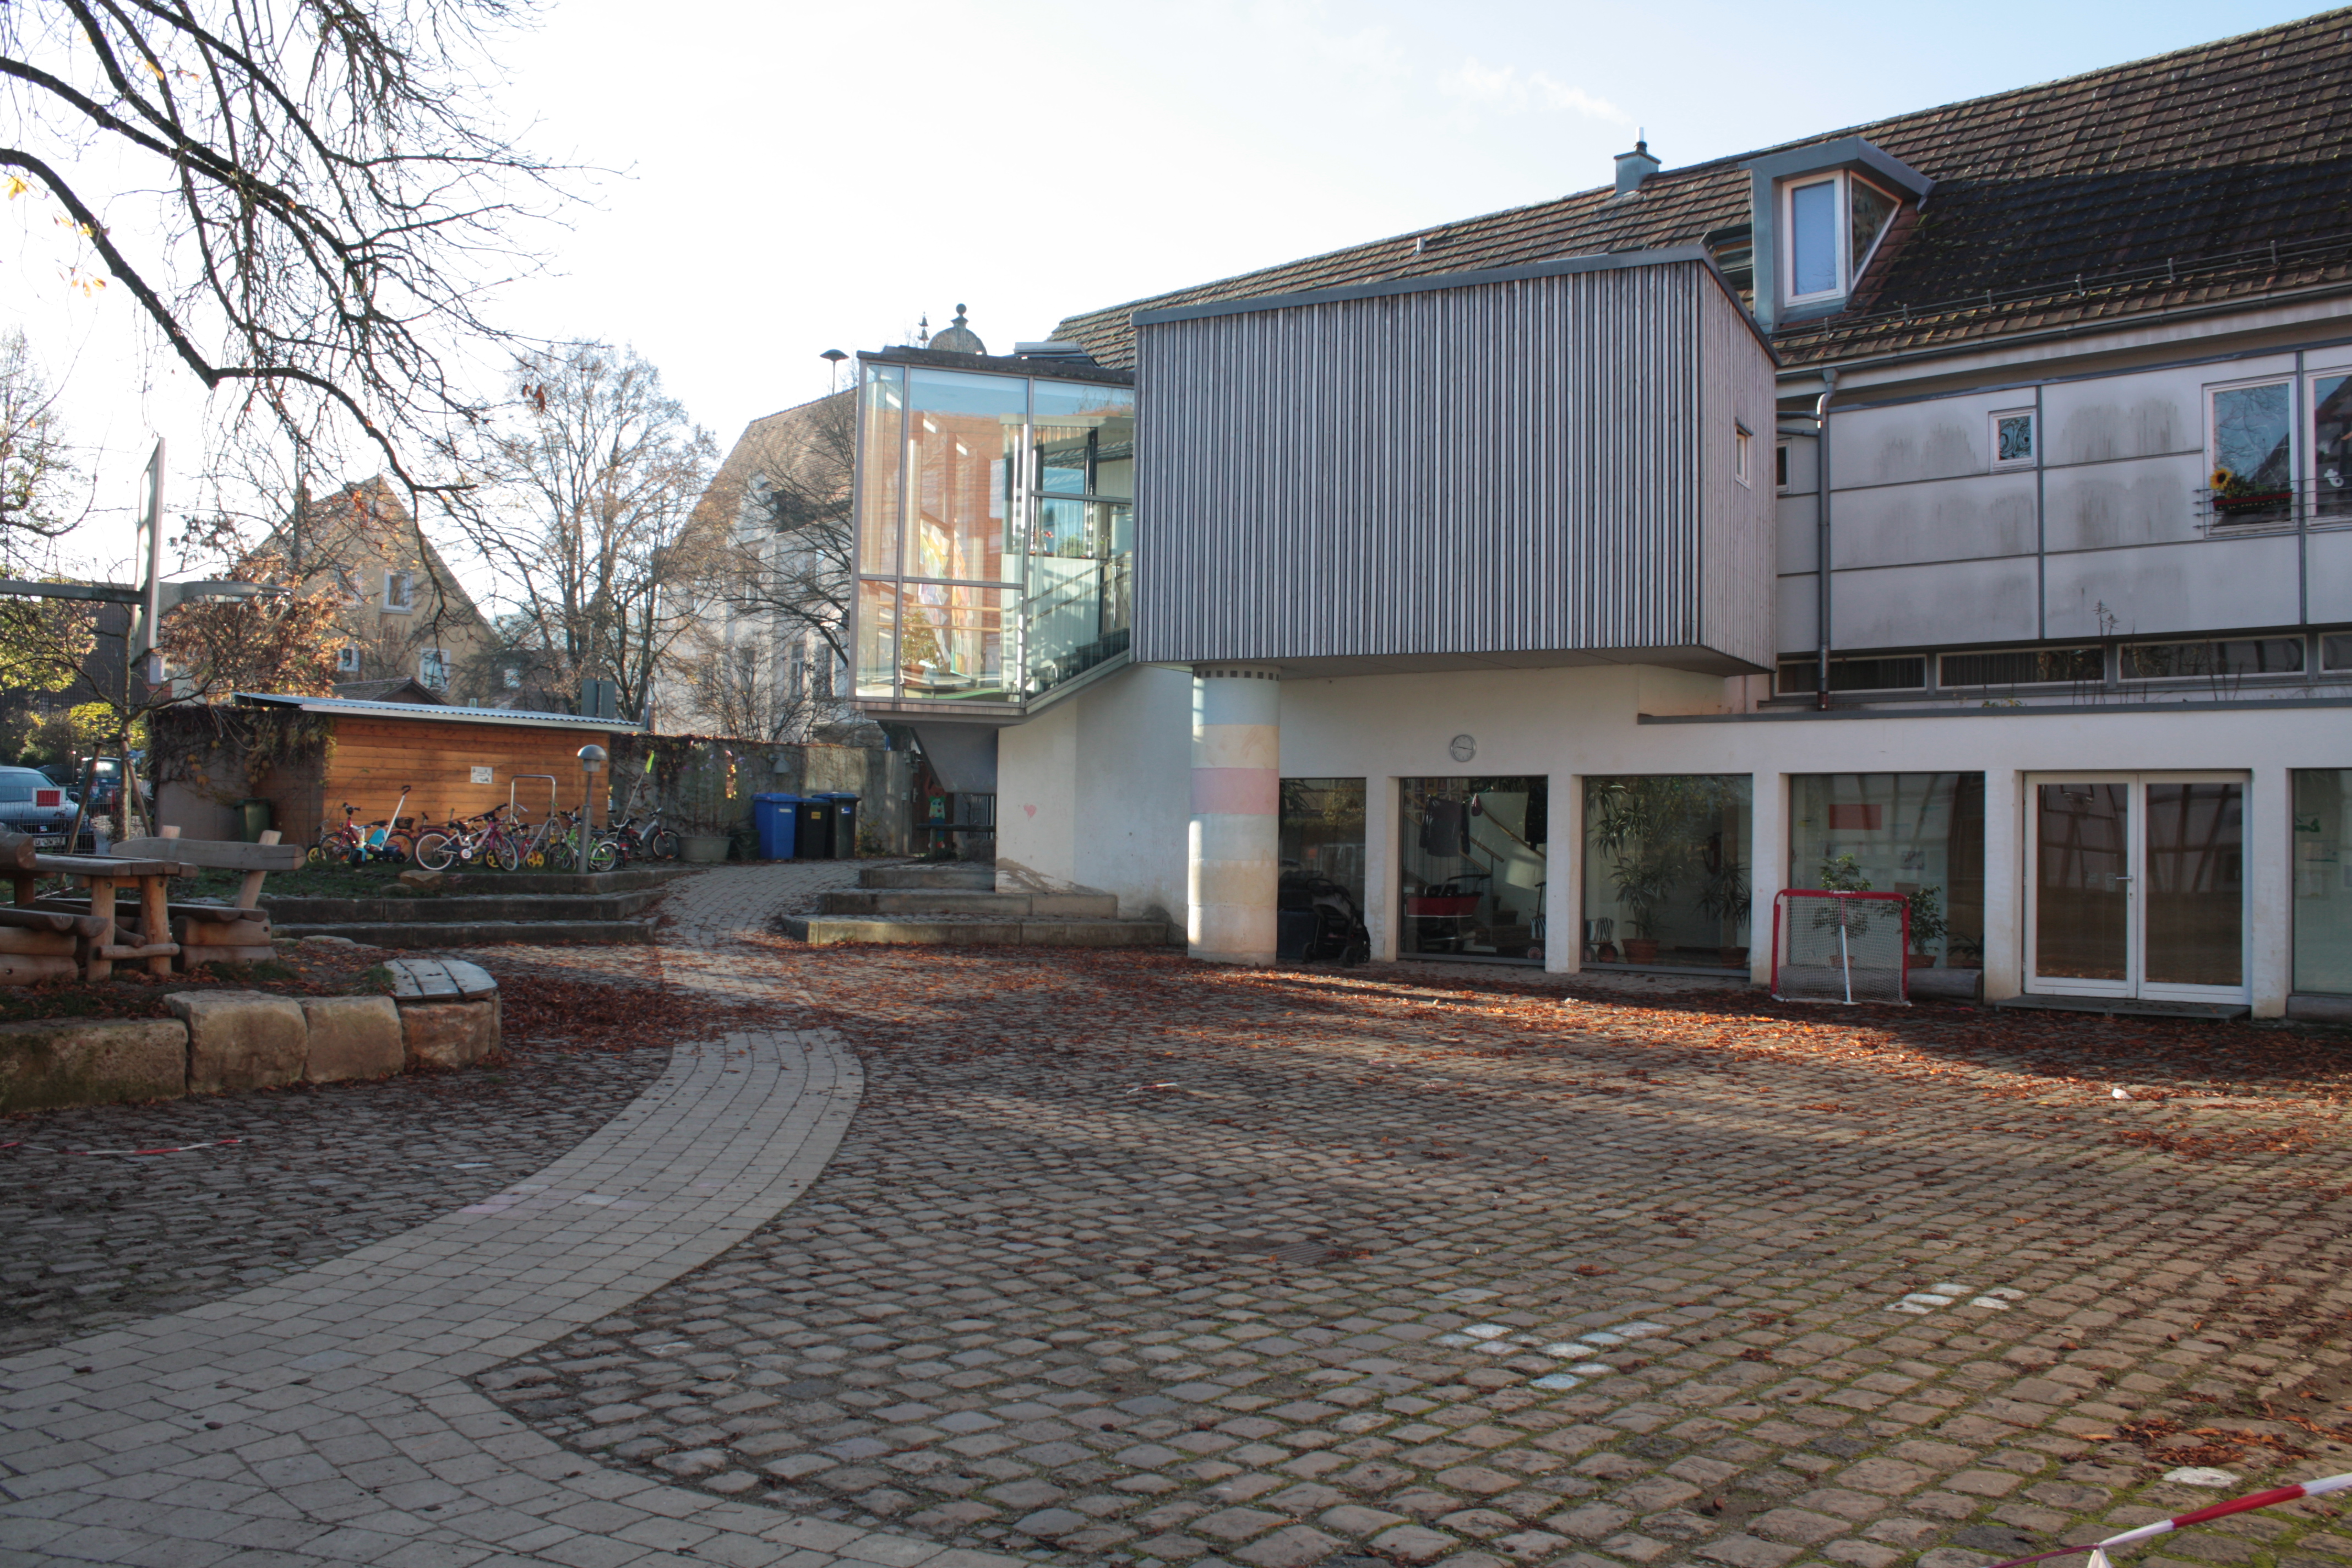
(938, 874)
(948, 931)
(438, 934)
(951, 901)
(467, 909)
(2128, 1006)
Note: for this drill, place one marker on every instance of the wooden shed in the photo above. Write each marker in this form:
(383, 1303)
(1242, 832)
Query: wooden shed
(307, 756)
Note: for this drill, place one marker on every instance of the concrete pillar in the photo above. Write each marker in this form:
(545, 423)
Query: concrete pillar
(2004, 884)
(1768, 865)
(1234, 854)
(1564, 877)
(1382, 809)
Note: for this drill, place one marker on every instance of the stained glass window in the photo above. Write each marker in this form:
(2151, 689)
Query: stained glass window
(2012, 438)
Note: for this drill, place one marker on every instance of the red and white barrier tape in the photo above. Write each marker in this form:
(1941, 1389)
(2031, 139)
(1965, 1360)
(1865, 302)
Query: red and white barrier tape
(2098, 1549)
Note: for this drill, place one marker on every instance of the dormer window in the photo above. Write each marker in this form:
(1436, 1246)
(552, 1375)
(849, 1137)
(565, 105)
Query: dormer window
(1830, 227)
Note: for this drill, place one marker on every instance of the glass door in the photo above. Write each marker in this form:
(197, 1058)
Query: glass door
(2136, 887)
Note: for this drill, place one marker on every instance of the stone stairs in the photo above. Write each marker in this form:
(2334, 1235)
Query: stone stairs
(959, 905)
(480, 909)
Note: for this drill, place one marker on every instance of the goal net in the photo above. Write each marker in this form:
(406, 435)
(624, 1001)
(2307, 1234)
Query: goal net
(1840, 947)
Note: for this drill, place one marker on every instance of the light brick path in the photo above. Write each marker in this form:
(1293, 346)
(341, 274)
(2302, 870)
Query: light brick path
(326, 1419)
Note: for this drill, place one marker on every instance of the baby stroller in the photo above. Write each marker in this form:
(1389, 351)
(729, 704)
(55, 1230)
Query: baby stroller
(1315, 918)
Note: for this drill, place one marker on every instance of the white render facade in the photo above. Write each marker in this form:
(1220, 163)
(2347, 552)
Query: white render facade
(2087, 703)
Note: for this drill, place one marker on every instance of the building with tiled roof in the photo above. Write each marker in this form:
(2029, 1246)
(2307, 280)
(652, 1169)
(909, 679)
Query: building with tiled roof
(1912, 560)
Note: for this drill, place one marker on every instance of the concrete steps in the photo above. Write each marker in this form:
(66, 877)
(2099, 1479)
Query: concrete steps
(975, 931)
(438, 934)
(953, 904)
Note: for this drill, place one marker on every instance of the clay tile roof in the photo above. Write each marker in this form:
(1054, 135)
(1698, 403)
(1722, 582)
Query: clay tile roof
(2216, 173)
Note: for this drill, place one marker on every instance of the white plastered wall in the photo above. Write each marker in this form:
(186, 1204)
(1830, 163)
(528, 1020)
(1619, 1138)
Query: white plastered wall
(1096, 791)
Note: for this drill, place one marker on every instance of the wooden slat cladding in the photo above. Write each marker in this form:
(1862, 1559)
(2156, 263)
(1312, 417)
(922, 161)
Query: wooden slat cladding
(370, 760)
(1529, 466)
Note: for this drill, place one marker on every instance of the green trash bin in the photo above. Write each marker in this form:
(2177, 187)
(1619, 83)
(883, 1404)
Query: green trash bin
(252, 820)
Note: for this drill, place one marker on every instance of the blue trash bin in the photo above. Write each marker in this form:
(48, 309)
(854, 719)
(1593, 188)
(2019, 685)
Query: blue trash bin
(844, 824)
(772, 821)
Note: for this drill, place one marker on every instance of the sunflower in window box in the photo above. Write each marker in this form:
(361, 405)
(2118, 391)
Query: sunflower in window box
(2233, 494)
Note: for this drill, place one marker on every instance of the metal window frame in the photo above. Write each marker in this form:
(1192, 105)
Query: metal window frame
(2033, 459)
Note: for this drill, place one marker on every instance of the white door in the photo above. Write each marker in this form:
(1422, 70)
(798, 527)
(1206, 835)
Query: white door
(2136, 886)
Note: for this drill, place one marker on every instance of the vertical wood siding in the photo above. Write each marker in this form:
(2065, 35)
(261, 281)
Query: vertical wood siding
(1511, 467)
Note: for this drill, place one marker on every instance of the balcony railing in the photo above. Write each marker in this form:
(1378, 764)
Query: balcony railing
(2319, 502)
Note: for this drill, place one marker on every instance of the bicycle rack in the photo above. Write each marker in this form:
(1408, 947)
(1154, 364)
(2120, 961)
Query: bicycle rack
(554, 802)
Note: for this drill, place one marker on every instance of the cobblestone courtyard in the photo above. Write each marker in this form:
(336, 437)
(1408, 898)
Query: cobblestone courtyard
(1125, 1260)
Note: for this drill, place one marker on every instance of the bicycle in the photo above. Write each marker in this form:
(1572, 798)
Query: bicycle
(476, 838)
(352, 845)
(646, 841)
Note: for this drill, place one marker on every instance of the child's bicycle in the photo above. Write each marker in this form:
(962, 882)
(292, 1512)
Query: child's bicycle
(353, 844)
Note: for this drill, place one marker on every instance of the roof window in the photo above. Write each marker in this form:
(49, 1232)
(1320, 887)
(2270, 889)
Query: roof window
(1831, 227)
(1819, 215)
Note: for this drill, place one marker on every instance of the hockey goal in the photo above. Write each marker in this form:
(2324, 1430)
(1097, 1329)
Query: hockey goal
(1840, 947)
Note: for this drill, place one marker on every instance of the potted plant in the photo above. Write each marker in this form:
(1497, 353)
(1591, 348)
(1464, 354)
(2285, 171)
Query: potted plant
(1724, 896)
(1642, 881)
(1928, 926)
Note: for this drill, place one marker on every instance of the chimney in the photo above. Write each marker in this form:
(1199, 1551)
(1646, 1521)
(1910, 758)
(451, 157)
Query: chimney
(1635, 167)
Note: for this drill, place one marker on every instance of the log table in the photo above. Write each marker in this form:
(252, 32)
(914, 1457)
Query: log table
(103, 874)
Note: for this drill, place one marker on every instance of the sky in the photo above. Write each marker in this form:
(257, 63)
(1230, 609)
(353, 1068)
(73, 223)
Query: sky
(773, 178)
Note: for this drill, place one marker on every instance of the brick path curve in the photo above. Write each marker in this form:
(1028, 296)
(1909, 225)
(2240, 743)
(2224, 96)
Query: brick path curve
(327, 1418)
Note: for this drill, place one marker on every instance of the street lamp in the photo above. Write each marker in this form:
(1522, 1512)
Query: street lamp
(592, 763)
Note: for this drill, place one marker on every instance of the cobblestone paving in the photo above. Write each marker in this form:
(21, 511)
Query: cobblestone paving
(1124, 1260)
(94, 1240)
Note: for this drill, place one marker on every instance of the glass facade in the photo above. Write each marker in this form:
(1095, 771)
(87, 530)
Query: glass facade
(995, 533)
(1322, 829)
(2323, 880)
(1920, 835)
(1471, 864)
(1666, 878)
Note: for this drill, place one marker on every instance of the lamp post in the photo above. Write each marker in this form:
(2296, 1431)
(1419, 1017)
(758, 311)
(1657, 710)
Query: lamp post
(592, 763)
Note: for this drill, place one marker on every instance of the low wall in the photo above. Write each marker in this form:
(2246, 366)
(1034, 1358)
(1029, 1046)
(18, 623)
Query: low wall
(219, 1041)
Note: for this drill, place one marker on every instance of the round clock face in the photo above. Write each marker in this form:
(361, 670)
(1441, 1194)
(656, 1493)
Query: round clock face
(1463, 748)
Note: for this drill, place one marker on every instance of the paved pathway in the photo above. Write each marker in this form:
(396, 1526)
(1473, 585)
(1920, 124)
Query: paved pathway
(1128, 1260)
(94, 1242)
(327, 1418)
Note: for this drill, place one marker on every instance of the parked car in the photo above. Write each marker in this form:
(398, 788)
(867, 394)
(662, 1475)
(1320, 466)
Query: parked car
(31, 802)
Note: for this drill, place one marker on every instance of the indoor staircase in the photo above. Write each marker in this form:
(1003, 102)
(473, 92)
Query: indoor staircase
(957, 905)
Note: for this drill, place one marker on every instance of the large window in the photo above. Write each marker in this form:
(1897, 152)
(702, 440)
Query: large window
(1920, 835)
(1667, 871)
(1831, 227)
(1322, 829)
(995, 525)
(2251, 442)
(2331, 446)
(2323, 880)
(1472, 862)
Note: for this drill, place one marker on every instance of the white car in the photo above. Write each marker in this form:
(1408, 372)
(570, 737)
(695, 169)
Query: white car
(32, 803)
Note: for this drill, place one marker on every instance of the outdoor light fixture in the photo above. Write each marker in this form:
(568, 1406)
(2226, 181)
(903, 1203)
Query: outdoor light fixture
(592, 763)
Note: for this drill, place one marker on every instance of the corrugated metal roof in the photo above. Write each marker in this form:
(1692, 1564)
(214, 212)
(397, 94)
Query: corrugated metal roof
(437, 715)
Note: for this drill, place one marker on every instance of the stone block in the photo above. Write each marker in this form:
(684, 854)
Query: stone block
(241, 1039)
(450, 1033)
(352, 1036)
(70, 1061)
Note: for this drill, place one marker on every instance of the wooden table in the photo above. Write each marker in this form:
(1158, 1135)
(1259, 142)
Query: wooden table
(103, 874)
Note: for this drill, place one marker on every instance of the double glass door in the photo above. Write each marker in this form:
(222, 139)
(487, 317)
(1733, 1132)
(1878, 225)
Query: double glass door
(2136, 887)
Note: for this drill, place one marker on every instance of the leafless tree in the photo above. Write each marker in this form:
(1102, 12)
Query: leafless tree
(300, 196)
(38, 473)
(739, 693)
(590, 484)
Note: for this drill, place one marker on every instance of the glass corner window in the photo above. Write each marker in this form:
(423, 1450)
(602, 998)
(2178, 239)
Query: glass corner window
(2252, 431)
(2331, 446)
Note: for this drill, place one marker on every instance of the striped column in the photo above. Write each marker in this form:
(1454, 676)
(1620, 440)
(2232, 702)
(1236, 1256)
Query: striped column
(1234, 856)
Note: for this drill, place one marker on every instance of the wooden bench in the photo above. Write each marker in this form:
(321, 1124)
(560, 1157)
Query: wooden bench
(221, 933)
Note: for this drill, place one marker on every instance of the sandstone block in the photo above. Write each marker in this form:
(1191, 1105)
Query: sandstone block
(450, 1033)
(241, 1039)
(352, 1037)
(70, 1061)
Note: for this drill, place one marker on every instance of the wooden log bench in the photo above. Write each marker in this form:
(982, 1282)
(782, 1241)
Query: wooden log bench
(222, 933)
